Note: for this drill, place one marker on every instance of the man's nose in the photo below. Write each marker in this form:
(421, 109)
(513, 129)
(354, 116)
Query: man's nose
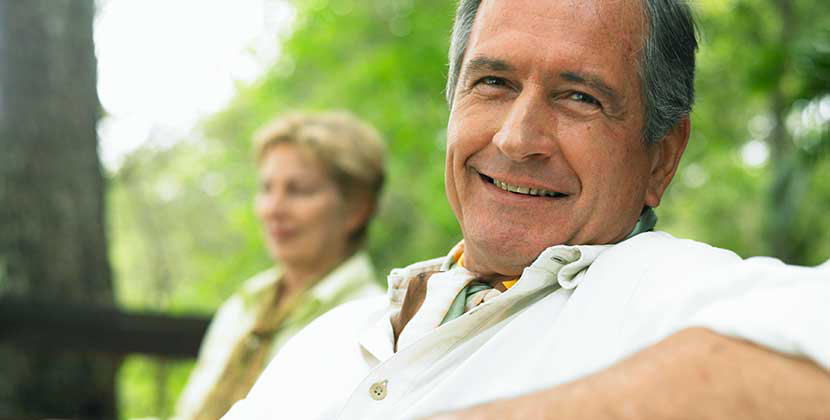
(527, 130)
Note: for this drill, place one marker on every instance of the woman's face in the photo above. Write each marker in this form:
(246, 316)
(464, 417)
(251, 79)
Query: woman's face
(303, 213)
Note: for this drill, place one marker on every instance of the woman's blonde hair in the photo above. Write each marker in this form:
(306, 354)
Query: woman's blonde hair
(351, 150)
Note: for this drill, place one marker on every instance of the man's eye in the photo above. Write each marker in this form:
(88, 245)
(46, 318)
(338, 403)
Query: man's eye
(491, 81)
(585, 98)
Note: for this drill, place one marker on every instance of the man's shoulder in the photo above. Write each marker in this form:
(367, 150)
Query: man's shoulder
(662, 249)
(658, 257)
(661, 268)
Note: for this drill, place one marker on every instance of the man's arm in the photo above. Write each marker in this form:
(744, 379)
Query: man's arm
(693, 374)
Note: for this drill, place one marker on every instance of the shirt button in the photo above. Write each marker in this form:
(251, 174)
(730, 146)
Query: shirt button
(378, 390)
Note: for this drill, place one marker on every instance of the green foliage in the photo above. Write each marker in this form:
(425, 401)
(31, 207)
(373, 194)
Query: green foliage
(183, 231)
(760, 63)
(149, 386)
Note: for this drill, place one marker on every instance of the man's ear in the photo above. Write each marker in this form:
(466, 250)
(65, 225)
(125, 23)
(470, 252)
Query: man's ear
(665, 159)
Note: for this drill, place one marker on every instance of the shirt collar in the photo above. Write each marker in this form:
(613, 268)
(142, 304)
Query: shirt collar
(570, 260)
(355, 269)
(556, 266)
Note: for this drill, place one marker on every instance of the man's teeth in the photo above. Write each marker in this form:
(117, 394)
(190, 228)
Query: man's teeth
(525, 190)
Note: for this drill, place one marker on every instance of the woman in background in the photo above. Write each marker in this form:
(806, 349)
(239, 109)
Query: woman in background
(320, 178)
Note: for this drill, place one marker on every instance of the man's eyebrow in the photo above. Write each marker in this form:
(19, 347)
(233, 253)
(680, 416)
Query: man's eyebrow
(486, 63)
(589, 80)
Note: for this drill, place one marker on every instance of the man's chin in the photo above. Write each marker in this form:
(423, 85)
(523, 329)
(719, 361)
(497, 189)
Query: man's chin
(497, 246)
(505, 258)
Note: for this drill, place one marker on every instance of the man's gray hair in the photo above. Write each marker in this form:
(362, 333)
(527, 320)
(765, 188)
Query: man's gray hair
(667, 69)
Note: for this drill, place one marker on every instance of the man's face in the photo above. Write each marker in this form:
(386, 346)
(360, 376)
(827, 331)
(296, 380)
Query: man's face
(549, 105)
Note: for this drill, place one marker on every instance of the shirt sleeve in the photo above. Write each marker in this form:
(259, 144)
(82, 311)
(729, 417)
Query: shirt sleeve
(670, 284)
(781, 307)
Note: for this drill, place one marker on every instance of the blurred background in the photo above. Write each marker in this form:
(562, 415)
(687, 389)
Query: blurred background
(126, 198)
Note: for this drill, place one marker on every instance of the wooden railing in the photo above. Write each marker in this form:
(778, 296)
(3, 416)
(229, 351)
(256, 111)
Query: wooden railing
(89, 328)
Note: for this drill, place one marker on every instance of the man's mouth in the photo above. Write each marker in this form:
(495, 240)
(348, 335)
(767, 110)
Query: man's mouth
(519, 189)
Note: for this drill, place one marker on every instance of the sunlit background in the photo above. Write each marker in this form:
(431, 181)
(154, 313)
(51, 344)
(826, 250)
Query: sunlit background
(165, 65)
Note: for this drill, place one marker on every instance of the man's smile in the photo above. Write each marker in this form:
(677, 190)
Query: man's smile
(520, 189)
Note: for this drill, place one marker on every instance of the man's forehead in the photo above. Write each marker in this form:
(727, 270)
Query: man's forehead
(593, 42)
(617, 19)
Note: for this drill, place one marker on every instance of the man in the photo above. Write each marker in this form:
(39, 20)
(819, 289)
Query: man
(568, 120)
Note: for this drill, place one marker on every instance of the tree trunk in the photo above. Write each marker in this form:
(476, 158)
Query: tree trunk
(52, 229)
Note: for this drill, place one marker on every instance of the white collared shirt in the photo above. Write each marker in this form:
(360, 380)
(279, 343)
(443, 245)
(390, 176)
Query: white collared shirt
(576, 310)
